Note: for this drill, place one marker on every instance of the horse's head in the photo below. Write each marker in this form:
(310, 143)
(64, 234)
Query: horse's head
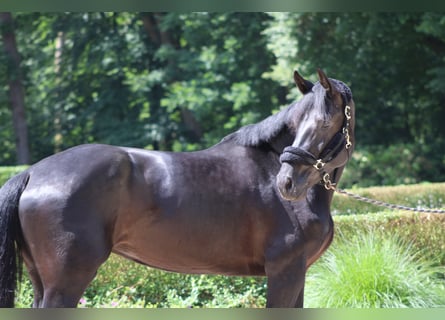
(323, 125)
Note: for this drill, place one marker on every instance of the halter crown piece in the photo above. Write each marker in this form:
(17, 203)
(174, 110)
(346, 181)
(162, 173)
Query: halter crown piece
(341, 140)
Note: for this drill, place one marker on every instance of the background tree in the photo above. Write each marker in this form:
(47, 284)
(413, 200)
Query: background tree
(15, 88)
(394, 64)
(182, 81)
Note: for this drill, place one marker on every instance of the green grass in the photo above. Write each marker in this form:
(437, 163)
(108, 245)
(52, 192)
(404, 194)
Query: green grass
(374, 270)
(425, 232)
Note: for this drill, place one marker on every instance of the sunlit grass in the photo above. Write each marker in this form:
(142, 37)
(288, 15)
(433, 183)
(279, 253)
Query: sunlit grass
(372, 270)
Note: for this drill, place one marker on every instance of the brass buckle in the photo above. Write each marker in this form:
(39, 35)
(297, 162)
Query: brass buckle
(319, 164)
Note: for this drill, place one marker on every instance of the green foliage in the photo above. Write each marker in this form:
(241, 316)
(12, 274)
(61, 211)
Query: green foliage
(139, 285)
(8, 172)
(394, 65)
(126, 284)
(373, 270)
(395, 102)
(182, 81)
(394, 165)
(25, 294)
(219, 89)
(150, 80)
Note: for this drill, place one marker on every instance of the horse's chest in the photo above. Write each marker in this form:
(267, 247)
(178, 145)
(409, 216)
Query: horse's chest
(314, 226)
(314, 231)
(318, 230)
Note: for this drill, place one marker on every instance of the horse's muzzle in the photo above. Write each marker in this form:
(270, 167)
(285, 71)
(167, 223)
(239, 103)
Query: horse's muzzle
(289, 188)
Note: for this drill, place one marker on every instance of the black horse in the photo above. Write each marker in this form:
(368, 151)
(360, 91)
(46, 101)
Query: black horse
(251, 205)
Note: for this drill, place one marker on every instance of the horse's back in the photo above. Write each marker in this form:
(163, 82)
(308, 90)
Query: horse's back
(85, 173)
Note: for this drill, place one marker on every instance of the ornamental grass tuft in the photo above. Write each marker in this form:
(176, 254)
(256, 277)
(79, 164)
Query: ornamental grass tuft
(374, 270)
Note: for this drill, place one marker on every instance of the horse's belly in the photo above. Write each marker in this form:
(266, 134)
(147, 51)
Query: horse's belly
(194, 252)
(182, 263)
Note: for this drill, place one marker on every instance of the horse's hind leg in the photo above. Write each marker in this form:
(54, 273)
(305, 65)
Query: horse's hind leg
(61, 292)
(68, 275)
(66, 280)
(60, 285)
(35, 279)
(64, 262)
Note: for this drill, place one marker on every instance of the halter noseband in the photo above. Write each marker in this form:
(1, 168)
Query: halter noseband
(341, 140)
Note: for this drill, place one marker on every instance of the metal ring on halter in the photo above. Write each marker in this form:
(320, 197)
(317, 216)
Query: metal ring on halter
(327, 182)
(319, 164)
(348, 112)
(347, 138)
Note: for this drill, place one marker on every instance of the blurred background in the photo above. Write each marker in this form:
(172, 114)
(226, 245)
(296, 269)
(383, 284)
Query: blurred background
(182, 81)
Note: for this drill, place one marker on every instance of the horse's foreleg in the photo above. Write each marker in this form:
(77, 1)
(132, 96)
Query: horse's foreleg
(300, 300)
(285, 283)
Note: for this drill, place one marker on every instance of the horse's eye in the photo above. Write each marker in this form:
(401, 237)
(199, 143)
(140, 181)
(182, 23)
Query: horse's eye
(326, 124)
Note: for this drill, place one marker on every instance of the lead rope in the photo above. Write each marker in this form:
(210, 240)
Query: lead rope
(331, 186)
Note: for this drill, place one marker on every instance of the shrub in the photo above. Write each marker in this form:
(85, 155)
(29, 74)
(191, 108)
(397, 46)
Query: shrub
(395, 164)
(373, 270)
(124, 283)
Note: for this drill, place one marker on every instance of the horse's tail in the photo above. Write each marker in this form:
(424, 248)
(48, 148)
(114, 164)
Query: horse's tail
(10, 236)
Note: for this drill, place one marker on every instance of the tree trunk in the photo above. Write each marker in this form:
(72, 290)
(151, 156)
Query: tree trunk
(16, 90)
(158, 37)
(58, 137)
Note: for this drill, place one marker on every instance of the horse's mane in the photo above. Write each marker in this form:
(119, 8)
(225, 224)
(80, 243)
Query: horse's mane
(254, 135)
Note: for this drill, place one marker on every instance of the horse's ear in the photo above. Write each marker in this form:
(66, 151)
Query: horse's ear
(303, 85)
(324, 80)
(329, 87)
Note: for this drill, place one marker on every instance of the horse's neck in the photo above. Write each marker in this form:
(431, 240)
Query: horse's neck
(281, 141)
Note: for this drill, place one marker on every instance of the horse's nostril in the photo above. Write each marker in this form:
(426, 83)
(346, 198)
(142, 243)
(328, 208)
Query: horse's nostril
(288, 183)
